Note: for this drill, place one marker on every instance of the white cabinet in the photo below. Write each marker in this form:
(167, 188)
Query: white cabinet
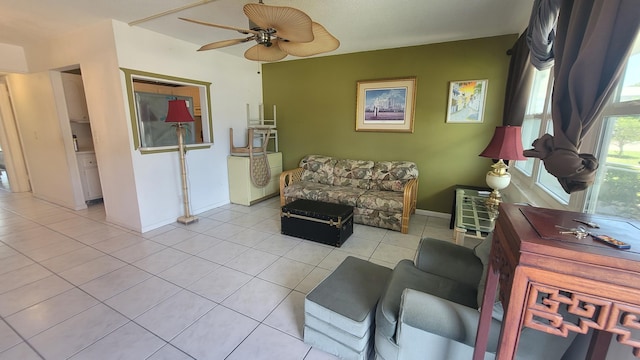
(89, 176)
(75, 97)
(241, 189)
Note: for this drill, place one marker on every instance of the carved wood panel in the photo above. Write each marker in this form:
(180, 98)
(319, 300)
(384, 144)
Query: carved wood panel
(505, 270)
(558, 312)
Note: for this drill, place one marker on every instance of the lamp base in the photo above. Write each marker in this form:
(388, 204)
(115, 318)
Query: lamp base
(497, 179)
(494, 199)
(187, 219)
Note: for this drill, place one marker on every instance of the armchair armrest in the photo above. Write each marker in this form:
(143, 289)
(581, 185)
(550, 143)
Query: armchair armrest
(287, 178)
(432, 319)
(449, 260)
(443, 329)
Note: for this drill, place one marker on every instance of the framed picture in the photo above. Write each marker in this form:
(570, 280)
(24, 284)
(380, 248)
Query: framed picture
(386, 105)
(466, 101)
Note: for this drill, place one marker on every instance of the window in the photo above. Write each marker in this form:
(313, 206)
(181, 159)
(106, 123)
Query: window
(616, 143)
(148, 96)
(617, 187)
(538, 121)
(538, 110)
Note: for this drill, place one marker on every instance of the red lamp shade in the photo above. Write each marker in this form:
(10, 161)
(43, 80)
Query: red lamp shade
(178, 112)
(506, 144)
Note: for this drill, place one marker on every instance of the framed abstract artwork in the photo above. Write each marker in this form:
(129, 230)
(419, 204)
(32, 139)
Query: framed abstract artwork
(386, 105)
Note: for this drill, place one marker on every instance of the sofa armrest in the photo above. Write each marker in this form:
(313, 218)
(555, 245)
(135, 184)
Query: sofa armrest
(409, 200)
(287, 178)
(425, 313)
(449, 260)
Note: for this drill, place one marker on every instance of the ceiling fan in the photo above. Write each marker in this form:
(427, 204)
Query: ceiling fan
(278, 31)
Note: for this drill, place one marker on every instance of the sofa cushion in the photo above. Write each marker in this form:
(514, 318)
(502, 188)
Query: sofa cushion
(407, 276)
(309, 190)
(378, 218)
(393, 175)
(318, 169)
(389, 201)
(355, 173)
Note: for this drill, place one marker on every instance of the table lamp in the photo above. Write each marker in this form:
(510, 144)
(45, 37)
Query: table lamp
(179, 114)
(506, 144)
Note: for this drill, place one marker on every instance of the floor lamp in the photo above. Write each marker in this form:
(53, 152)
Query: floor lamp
(506, 144)
(179, 114)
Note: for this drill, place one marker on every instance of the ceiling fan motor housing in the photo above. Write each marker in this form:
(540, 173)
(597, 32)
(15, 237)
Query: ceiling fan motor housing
(264, 38)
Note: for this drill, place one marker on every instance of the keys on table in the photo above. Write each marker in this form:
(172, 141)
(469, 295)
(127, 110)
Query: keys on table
(580, 232)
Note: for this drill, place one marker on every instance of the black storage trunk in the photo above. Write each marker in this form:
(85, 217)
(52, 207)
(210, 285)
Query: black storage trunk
(318, 221)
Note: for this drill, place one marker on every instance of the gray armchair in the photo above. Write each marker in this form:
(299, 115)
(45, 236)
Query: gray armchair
(429, 309)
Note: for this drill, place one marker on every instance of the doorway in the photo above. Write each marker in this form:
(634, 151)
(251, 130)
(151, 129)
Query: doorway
(13, 169)
(82, 137)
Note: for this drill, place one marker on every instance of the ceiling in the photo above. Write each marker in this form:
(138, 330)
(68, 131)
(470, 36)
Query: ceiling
(360, 25)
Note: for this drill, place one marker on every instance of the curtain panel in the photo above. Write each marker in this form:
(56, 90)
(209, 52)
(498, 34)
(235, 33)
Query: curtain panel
(519, 82)
(592, 41)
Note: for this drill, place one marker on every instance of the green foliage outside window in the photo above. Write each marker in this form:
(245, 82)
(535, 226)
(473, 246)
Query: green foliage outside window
(614, 196)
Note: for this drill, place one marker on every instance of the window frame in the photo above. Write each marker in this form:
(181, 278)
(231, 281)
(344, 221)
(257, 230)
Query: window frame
(205, 99)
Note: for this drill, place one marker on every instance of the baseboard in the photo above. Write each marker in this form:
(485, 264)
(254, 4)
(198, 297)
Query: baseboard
(433, 214)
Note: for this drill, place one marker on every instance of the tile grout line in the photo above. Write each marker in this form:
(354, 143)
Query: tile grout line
(180, 287)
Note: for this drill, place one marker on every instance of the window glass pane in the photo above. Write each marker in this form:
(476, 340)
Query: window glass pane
(548, 182)
(152, 113)
(538, 92)
(631, 81)
(617, 189)
(530, 131)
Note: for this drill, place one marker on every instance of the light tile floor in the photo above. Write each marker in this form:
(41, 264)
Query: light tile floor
(227, 287)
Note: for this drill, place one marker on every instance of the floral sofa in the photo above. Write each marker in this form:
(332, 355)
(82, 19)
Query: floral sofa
(383, 193)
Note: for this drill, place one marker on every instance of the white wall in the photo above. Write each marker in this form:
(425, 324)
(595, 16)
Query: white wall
(142, 192)
(93, 49)
(13, 59)
(235, 83)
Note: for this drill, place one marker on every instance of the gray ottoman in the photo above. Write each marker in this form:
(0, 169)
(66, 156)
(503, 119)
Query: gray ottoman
(339, 313)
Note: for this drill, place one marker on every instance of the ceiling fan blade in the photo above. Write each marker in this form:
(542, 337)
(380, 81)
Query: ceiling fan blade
(244, 31)
(289, 23)
(323, 42)
(260, 52)
(224, 43)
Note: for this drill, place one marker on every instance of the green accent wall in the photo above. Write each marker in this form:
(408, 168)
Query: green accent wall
(316, 110)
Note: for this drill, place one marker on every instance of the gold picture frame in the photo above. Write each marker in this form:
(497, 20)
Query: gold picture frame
(386, 105)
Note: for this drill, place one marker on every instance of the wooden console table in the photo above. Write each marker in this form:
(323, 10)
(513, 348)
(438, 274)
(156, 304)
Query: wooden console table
(541, 272)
